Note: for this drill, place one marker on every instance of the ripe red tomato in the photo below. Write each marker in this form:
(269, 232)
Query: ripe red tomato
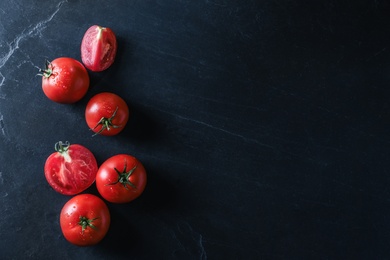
(85, 220)
(98, 48)
(106, 114)
(65, 80)
(71, 169)
(121, 179)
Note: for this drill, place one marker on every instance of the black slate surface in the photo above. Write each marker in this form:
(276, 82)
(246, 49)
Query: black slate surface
(263, 126)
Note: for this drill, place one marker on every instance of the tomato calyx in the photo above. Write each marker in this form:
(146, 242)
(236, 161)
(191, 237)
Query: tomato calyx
(62, 147)
(106, 123)
(123, 177)
(85, 223)
(47, 71)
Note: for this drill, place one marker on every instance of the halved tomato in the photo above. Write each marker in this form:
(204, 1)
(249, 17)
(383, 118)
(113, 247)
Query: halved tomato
(71, 169)
(98, 48)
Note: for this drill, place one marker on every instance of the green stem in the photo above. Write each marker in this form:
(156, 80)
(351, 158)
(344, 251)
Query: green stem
(61, 147)
(123, 177)
(106, 123)
(48, 71)
(85, 222)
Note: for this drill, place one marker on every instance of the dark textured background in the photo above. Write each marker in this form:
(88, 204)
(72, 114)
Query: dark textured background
(262, 125)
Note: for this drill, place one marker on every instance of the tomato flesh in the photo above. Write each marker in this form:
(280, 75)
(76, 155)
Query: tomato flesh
(65, 80)
(98, 48)
(116, 190)
(72, 171)
(85, 220)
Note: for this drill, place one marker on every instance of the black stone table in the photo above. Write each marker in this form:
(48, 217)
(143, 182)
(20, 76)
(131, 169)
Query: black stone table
(263, 126)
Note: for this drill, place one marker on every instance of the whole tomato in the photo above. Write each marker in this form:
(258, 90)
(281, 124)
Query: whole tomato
(85, 220)
(106, 114)
(98, 48)
(64, 80)
(121, 179)
(71, 169)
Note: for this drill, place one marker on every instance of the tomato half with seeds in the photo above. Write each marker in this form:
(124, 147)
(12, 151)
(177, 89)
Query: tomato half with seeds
(71, 169)
(64, 80)
(106, 114)
(121, 179)
(98, 48)
(85, 220)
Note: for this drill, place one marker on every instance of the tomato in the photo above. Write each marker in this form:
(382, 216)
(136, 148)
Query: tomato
(85, 220)
(121, 179)
(65, 80)
(98, 48)
(71, 169)
(106, 114)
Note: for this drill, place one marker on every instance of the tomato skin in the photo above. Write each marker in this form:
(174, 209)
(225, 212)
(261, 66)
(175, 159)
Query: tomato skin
(89, 207)
(113, 190)
(98, 48)
(65, 80)
(112, 108)
(71, 171)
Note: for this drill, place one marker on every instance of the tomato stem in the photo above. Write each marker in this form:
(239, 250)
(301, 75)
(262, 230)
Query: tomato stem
(123, 177)
(61, 147)
(85, 222)
(106, 123)
(47, 71)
